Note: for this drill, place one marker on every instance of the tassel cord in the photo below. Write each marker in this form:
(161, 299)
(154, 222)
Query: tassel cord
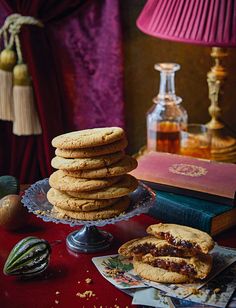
(15, 28)
(18, 49)
(4, 29)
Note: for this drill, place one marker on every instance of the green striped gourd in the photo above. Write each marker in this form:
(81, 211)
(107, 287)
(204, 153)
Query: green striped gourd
(9, 185)
(28, 258)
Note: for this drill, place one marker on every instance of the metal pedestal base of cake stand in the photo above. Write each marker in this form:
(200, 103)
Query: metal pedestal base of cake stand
(88, 239)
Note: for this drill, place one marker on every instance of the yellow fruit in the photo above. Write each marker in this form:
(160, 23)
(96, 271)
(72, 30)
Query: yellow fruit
(13, 214)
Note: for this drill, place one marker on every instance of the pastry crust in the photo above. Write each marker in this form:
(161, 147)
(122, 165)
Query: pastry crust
(156, 274)
(183, 236)
(154, 246)
(194, 267)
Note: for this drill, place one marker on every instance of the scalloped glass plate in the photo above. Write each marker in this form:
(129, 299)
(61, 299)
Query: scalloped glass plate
(35, 199)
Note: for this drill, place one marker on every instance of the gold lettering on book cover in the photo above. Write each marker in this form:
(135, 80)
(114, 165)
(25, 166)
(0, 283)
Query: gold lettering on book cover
(188, 170)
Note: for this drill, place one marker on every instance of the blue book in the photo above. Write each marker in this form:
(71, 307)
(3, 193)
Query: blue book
(207, 216)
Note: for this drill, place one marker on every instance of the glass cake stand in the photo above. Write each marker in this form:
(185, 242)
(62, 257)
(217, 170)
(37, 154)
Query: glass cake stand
(89, 238)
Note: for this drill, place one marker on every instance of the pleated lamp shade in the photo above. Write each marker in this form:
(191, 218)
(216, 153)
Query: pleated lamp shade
(204, 22)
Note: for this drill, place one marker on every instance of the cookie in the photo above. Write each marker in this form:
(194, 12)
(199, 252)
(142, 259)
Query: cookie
(114, 210)
(74, 164)
(62, 181)
(88, 138)
(113, 147)
(150, 244)
(123, 166)
(157, 274)
(126, 185)
(182, 236)
(66, 202)
(194, 268)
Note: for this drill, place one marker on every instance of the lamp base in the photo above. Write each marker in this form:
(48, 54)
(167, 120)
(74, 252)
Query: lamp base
(223, 148)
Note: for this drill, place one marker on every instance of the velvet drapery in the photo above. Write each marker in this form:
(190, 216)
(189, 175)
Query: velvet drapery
(77, 70)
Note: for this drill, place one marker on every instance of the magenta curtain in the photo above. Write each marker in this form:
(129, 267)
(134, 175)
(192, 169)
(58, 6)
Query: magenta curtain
(76, 65)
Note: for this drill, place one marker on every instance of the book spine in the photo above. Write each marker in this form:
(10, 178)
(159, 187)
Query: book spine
(170, 211)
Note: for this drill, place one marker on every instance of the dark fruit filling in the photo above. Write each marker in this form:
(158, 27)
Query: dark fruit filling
(182, 267)
(185, 244)
(163, 251)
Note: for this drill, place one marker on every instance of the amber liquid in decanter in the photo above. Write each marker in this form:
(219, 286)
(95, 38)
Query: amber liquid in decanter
(164, 138)
(167, 117)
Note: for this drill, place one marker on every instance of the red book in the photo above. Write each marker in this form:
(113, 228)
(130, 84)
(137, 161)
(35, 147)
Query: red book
(195, 177)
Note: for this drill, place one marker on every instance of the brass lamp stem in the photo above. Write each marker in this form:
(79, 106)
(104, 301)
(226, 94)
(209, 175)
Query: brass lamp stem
(215, 79)
(223, 147)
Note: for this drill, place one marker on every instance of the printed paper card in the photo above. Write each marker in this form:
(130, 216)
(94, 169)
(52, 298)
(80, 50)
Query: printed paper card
(184, 303)
(151, 297)
(119, 271)
(218, 291)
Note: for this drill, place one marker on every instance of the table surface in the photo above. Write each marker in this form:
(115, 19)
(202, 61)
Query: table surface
(66, 273)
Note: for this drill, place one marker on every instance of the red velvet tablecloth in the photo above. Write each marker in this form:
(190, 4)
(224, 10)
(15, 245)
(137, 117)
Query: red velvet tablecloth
(66, 275)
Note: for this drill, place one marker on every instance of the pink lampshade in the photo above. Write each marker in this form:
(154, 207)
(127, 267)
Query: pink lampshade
(204, 22)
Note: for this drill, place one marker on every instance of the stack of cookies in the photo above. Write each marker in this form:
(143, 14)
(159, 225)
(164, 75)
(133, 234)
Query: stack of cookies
(91, 182)
(171, 254)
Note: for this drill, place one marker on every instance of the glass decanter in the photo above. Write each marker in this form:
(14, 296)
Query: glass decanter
(167, 117)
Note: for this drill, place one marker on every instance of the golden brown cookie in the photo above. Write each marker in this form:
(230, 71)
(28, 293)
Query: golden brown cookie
(114, 210)
(194, 268)
(126, 185)
(66, 202)
(74, 164)
(64, 182)
(123, 166)
(88, 138)
(157, 274)
(150, 244)
(113, 147)
(183, 236)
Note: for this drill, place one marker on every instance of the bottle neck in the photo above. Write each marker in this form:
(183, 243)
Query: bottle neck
(167, 86)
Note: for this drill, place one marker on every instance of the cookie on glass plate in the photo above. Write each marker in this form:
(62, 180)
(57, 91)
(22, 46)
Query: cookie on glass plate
(74, 164)
(88, 138)
(114, 210)
(64, 182)
(123, 166)
(66, 202)
(126, 185)
(113, 147)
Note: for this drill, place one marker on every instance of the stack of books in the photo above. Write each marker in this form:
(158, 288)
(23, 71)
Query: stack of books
(190, 191)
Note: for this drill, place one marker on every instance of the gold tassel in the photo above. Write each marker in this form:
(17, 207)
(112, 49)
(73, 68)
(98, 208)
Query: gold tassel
(26, 120)
(7, 62)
